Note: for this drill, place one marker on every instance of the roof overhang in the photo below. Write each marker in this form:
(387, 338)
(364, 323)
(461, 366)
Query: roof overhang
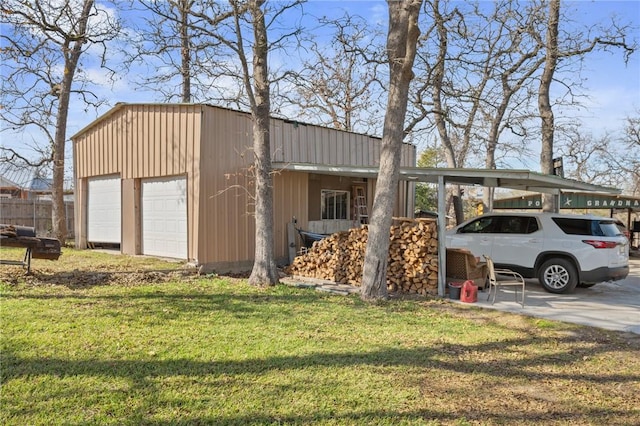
(524, 180)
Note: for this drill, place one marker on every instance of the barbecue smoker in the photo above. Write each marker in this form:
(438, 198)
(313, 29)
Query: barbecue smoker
(25, 237)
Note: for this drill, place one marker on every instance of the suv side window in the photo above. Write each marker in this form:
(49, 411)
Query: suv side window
(573, 226)
(518, 225)
(483, 225)
(593, 227)
(608, 228)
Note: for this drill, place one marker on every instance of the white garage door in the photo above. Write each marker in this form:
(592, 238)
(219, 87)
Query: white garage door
(104, 216)
(164, 217)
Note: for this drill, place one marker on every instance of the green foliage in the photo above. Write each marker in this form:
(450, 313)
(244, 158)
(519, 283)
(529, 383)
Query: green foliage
(426, 197)
(427, 194)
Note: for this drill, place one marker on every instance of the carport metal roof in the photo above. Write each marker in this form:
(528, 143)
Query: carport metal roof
(515, 179)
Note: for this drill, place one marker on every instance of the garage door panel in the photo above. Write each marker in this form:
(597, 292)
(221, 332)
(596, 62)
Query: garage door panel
(164, 217)
(104, 210)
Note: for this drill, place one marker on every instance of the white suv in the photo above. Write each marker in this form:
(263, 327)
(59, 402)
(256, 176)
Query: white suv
(561, 250)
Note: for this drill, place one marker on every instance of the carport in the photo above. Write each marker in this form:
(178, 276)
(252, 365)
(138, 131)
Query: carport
(524, 180)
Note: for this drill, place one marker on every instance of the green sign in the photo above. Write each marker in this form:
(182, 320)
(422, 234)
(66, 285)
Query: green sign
(571, 201)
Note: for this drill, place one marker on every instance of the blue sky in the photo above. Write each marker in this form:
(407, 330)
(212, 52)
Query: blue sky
(612, 85)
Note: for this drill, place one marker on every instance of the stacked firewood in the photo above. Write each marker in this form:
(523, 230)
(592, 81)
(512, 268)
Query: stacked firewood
(412, 263)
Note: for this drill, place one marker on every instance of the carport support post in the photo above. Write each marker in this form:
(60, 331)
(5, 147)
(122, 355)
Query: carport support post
(442, 227)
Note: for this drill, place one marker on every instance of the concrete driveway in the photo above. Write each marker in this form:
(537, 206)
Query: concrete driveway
(608, 305)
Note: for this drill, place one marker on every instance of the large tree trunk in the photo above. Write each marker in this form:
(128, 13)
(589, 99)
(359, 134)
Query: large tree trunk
(544, 100)
(401, 46)
(72, 52)
(185, 50)
(264, 268)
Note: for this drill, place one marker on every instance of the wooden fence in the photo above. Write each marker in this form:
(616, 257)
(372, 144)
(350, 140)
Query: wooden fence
(33, 213)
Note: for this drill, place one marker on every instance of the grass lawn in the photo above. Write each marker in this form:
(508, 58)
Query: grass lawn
(96, 339)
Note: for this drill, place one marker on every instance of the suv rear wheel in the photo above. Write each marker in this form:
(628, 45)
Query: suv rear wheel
(558, 276)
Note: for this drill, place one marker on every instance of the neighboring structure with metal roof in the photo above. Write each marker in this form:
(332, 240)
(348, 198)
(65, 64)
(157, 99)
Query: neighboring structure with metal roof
(22, 182)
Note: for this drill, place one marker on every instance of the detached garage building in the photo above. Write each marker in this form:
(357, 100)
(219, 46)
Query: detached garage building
(175, 181)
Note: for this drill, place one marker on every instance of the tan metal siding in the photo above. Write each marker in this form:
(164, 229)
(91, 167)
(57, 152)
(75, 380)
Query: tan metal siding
(131, 211)
(145, 141)
(226, 208)
(290, 199)
(301, 143)
(226, 221)
(213, 147)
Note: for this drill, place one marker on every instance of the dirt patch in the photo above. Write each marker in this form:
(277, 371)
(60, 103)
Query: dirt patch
(83, 279)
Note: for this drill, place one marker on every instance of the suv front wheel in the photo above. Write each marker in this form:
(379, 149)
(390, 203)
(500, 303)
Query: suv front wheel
(558, 276)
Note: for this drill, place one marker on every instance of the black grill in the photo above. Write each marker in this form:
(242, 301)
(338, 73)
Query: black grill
(25, 237)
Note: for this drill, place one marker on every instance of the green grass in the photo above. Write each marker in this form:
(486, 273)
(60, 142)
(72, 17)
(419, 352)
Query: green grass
(214, 350)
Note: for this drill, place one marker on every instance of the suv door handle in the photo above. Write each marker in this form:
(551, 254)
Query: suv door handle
(534, 240)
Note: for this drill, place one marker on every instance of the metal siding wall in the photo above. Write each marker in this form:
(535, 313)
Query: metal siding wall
(207, 143)
(193, 135)
(131, 221)
(301, 143)
(290, 199)
(227, 227)
(143, 141)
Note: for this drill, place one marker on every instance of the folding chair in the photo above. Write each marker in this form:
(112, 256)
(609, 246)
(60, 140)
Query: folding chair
(503, 277)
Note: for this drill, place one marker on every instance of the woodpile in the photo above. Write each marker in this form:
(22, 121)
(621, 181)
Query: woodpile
(412, 263)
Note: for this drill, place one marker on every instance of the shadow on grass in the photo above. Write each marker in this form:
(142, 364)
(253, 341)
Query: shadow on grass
(143, 376)
(386, 417)
(425, 357)
(146, 376)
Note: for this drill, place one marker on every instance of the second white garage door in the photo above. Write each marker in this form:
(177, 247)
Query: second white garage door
(164, 217)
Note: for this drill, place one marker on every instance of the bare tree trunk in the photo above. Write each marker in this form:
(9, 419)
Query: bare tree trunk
(544, 101)
(264, 270)
(401, 46)
(72, 51)
(440, 115)
(185, 50)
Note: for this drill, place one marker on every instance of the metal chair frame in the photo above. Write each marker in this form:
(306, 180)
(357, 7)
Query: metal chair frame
(503, 277)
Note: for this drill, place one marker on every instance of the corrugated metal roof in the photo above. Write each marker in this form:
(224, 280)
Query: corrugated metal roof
(25, 178)
(515, 179)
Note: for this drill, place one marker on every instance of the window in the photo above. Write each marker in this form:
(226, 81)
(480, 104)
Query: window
(501, 225)
(335, 204)
(484, 225)
(518, 225)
